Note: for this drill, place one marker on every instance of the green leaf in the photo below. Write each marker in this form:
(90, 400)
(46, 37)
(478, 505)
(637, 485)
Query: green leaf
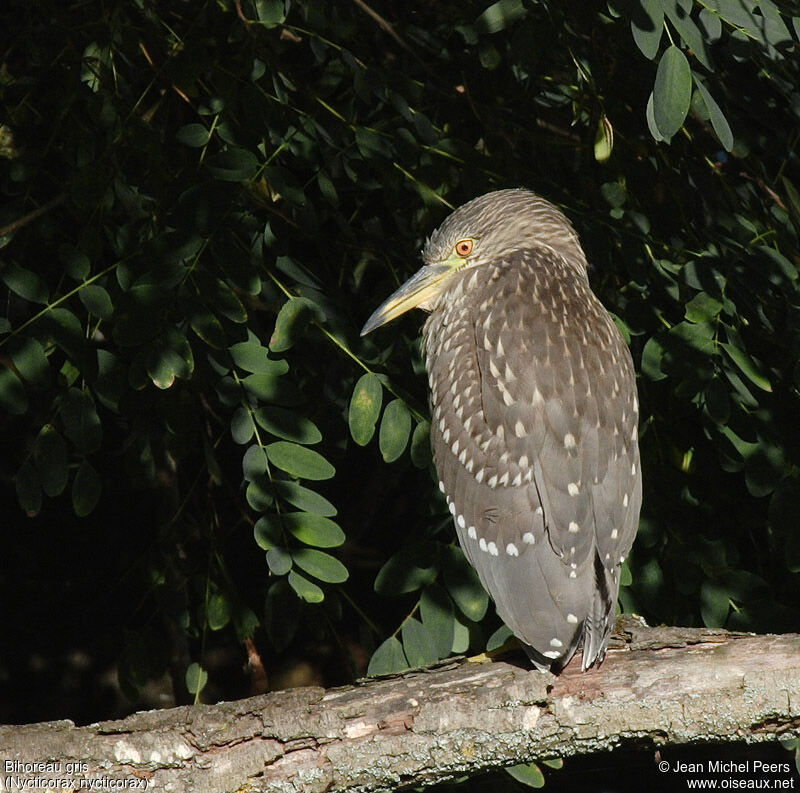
(194, 135)
(371, 144)
(702, 308)
(96, 301)
(268, 532)
(288, 425)
(304, 499)
(233, 165)
(460, 637)
(298, 461)
(498, 638)
(714, 604)
(297, 271)
(651, 120)
(527, 773)
(314, 529)
(196, 678)
(614, 193)
(420, 450)
(718, 120)
(80, 421)
(259, 494)
(271, 12)
(672, 92)
(365, 407)
(52, 461)
(647, 25)
(418, 644)
(388, 659)
(12, 393)
(463, 584)
(395, 430)
(269, 388)
(208, 327)
(29, 490)
(253, 357)
(290, 324)
(218, 613)
(678, 14)
(242, 429)
(31, 361)
(652, 356)
(747, 366)
(86, 489)
(603, 140)
(438, 617)
(169, 356)
(225, 300)
(309, 529)
(25, 283)
(76, 263)
(408, 570)
(254, 462)
(500, 15)
(305, 589)
(279, 561)
(321, 565)
(698, 336)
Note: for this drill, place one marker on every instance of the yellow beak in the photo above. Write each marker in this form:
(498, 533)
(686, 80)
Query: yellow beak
(421, 288)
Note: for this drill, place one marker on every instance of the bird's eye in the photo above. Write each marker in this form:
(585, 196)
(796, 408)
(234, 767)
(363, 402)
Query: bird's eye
(464, 247)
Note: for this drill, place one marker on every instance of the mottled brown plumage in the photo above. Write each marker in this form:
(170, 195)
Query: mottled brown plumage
(533, 418)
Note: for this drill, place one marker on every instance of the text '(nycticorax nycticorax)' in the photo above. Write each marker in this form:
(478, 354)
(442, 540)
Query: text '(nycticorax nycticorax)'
(534, 418)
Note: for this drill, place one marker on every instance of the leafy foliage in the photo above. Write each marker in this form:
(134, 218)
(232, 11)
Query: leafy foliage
(203, 204)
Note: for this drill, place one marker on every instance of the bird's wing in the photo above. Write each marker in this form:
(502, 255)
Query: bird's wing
(534, 415)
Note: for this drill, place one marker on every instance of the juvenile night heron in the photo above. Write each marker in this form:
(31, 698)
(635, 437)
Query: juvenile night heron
(534, 418)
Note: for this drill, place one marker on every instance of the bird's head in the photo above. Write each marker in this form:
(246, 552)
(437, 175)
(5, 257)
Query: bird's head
(484, 230)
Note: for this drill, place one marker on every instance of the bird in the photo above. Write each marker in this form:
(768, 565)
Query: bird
(534, 418)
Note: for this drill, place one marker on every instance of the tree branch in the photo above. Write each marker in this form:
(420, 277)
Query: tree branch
(658, 686)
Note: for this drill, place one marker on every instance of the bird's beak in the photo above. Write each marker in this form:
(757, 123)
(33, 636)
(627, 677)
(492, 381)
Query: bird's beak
(423, 286)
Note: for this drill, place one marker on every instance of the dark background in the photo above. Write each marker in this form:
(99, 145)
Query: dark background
(220, 188)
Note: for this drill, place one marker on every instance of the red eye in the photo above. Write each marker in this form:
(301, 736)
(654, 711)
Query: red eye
(464, 247)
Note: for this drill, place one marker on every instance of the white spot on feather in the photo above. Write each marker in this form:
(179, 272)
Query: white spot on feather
(569, 441)
(472, 533)
(556, 643)
(492, 548)
(512, 549)
(573, 489)
(482, 543)
(572, 619)
(461, 522)
(552, 654)
(528, 538)
(574, 528)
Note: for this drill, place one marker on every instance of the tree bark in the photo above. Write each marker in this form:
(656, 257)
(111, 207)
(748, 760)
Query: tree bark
(657, 686)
